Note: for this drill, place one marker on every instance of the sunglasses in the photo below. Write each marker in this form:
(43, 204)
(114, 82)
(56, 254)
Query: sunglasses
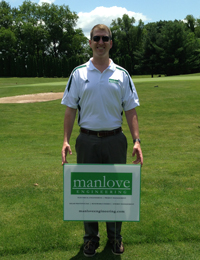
(104, 38)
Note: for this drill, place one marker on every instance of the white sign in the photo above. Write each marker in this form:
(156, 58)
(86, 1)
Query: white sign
(94, 192)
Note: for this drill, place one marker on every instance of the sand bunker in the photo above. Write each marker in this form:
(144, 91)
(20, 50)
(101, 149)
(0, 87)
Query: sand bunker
(41, 97)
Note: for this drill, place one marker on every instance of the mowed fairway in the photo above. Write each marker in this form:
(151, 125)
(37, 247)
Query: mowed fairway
(31, 175)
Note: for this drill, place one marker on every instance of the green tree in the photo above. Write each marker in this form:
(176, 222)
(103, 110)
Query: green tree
(190, 22)
(150, 56)
(180, 48)
(6, 18)
(33, 32)
(59, 22)
(197, 28)
(30, 31)
(170, 48)
(7, 41)
(127, 39)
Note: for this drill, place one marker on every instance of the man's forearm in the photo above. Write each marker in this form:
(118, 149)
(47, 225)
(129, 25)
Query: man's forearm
(69, 119)
(132, 120)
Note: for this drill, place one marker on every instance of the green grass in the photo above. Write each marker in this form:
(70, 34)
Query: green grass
(20, 86)
(31, 136)
(27, 81)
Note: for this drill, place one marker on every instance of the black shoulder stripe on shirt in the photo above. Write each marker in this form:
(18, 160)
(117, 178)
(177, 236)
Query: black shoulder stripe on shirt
(70, 82)
(70, 79)
(127, 75)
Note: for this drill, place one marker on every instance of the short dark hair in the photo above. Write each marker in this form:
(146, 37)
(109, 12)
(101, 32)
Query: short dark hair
(101, 27)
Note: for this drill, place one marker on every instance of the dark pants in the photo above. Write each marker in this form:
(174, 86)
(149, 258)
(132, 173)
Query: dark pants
(101, 150)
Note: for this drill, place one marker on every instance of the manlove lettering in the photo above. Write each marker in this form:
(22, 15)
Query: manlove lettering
(101, 183)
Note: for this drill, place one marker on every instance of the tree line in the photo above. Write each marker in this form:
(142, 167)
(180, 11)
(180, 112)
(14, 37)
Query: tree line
(41, 41)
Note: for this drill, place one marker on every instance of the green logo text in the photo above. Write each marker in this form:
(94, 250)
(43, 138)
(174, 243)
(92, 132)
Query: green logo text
(101, 183)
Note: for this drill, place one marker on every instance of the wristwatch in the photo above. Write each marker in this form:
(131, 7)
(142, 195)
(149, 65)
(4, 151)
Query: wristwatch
(136, 140)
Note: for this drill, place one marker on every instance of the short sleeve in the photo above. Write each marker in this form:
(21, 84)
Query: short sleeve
(70, 97)
(130, 96)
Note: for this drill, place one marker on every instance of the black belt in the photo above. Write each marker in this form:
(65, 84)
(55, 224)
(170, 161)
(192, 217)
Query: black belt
(101, 133)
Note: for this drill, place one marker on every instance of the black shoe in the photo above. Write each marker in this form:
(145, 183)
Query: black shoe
(117, 247)
(90, 247)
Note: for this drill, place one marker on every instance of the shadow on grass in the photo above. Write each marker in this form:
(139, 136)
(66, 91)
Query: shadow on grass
(105, 254)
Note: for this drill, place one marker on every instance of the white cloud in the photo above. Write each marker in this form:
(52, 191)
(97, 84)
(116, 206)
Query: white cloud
(46, 1)
(104, 15)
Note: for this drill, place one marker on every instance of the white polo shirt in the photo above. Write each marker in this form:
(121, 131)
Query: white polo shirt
(100, 97)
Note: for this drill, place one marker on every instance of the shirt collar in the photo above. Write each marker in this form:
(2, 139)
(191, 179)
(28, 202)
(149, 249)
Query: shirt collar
(91, 66)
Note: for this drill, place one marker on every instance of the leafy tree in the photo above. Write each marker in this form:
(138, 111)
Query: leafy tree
(150, 56)
(180, 46)
(190, 22)
(30, 31)
(7, 41)
(7, 38)
(127, 39)
(6, 18)
(197, 28)
(169, 48)
(59, 22)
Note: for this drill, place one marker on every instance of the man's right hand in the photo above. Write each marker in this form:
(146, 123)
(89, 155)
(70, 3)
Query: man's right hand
(65, 149)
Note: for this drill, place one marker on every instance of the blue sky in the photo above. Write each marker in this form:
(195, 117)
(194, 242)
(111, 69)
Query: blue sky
(92, 12)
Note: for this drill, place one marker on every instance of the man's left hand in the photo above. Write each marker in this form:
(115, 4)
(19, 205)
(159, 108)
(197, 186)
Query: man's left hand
(138, 152)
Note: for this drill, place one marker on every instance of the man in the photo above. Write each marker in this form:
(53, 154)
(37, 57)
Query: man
(101, 90)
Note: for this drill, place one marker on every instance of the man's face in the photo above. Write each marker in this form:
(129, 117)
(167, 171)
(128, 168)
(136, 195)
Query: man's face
(100, 47)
